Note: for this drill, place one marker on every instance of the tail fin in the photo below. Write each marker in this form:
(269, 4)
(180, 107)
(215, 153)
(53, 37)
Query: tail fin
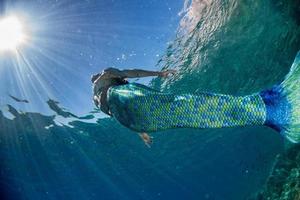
(283, 104)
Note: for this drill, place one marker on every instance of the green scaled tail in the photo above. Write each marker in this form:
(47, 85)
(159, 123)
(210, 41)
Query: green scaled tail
(143, 109)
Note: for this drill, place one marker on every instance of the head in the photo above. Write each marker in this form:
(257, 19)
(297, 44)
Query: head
(94, 77)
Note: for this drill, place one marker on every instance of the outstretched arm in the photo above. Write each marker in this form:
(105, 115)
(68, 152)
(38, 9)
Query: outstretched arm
(135, 73)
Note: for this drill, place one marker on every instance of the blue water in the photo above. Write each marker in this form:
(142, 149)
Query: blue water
(227, 46)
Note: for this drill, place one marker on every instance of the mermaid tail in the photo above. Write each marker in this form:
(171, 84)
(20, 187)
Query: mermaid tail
(283, 104)
(146, 110)
(143, 109)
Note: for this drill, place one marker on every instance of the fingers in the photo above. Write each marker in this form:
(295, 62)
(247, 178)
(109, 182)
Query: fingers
(165, 74)
(171, 71)
(148, 145)
(148, 142)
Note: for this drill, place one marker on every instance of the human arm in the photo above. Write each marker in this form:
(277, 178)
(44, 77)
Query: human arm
(134, 73)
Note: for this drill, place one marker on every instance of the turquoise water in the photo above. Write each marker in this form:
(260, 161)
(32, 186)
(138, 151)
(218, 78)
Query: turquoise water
(224, 46)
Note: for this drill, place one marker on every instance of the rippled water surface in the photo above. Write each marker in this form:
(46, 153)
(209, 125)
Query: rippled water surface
(224, 46)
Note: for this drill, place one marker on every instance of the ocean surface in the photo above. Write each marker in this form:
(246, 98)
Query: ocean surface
(223, 46)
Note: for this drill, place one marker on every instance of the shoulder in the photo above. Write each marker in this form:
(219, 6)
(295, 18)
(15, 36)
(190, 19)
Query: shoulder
(112, 73)
(111, 70)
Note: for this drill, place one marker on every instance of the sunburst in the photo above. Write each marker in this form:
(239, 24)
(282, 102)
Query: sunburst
(11, 33)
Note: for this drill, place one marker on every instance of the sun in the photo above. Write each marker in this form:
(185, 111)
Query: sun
(11, 33)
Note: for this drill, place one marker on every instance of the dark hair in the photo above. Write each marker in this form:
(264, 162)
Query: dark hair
(94, 77)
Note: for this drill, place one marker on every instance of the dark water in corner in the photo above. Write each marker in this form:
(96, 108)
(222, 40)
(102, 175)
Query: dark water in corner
(235, 47)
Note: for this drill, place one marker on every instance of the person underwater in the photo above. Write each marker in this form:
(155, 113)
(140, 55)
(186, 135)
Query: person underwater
(143, 109)
(111, 78)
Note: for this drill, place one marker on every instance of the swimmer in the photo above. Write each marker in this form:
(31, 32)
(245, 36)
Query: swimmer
(112, 77)
(143, 109)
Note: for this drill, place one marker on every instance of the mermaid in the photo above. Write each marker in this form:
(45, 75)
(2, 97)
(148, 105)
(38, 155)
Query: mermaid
(143, 109)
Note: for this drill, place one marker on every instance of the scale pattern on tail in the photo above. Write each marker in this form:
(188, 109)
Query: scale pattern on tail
(143, 109)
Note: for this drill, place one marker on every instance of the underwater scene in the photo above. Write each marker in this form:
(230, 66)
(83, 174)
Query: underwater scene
(58, 140)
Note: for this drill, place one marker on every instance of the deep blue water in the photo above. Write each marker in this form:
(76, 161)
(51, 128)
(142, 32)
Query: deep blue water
(228, 46)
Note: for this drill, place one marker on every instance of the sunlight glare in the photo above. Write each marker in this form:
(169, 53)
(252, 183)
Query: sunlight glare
(11, 33)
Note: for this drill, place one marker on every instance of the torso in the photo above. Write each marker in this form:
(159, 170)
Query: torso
(100, 89)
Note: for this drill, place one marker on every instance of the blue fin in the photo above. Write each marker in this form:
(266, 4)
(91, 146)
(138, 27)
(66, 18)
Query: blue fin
(283, 104)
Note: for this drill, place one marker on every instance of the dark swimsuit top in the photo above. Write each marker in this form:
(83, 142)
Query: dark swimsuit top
(102, 93)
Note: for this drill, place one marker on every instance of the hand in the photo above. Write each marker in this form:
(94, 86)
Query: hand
(164, 74)
(147, 139)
